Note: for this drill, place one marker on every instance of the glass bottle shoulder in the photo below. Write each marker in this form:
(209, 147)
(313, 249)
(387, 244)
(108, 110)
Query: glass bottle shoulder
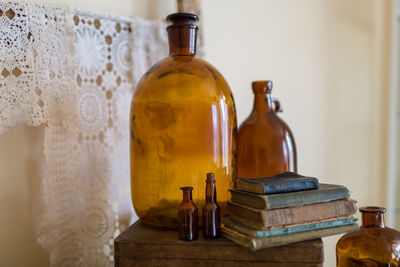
(372, 238)
(183, 77)
(211, 205)
(268, 121)
(187, 205)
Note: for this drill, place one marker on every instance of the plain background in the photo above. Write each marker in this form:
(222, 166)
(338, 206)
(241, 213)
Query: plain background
(330, 64)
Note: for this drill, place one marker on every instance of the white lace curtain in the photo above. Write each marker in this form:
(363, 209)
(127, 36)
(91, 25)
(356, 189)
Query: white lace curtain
(74, 71)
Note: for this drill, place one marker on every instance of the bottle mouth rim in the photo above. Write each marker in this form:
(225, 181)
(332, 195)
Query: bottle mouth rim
(182, 26)
(186, 188)
(182, 15)
(182, 20)
(262, 86)
(372, 209)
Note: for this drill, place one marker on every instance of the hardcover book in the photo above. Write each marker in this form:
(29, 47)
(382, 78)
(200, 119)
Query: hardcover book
(324, 193)
(274, 241)
(281, 183)
(241, 228)
(265, 219)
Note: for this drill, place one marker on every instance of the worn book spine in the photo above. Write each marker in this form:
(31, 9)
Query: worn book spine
(251, 200)
(325, 192)
(293, 215)
(286, 230)
(274, 241)
(307, 197)
(262, 228)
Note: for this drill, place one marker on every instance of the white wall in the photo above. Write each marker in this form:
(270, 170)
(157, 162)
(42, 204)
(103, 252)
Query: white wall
(328, 60)
(394, 125)
(20, 204)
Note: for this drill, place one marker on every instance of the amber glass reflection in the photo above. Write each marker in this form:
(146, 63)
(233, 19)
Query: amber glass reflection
(183, 125)
(211, 210)
(266, 145)
(373, 245)
(187, 216)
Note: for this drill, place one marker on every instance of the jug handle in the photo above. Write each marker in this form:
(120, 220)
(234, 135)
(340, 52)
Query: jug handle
(276, 105)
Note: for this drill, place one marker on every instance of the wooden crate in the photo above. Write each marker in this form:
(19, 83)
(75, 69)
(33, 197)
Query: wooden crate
(142, 245)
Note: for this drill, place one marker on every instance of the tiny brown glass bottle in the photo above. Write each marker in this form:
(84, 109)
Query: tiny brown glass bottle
(187, 216)
(211, 210)
(266, 145)
(373, 245)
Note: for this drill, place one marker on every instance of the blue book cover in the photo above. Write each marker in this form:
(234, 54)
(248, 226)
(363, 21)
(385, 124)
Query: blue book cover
(286, 230)
(282, 183)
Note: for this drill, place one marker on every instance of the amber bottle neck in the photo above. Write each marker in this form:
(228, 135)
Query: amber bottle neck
(262, 103)
(211, 193)
(182, 40)
(187, 193)
(372, 217)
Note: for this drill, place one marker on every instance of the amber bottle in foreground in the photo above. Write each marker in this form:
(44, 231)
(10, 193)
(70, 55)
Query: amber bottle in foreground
(183, 125)
(373, 245)
(266, 145)
(187, 216)
(211, 210)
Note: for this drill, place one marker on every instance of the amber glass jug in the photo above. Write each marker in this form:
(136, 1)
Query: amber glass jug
(373, 245)
(183, 126)
(266, 145)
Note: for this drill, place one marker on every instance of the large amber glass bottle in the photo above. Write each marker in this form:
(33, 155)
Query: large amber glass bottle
(266, 145)
(183, 126)
(373, 245)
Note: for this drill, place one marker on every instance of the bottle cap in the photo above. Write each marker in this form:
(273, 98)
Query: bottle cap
(182, 19)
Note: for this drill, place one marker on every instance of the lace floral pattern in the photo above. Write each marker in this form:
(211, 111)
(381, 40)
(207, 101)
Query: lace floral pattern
(74, 71)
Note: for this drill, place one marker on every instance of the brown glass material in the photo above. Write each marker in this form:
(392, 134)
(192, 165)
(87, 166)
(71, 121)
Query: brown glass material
(183, 125)
(211, 210)
(373, 245)
(188, 216)
(266, 145)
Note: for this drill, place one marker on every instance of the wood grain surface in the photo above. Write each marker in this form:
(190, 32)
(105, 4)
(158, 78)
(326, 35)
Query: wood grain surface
(142, 245)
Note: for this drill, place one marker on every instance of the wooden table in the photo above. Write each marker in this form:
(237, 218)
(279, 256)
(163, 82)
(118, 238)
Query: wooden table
(142, 245)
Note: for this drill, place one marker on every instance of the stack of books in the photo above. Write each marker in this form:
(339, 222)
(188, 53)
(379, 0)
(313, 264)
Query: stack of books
(286, 208)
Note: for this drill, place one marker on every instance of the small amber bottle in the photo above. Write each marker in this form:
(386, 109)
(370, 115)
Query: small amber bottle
(373, 245)
(211, 210)
(188, 216)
